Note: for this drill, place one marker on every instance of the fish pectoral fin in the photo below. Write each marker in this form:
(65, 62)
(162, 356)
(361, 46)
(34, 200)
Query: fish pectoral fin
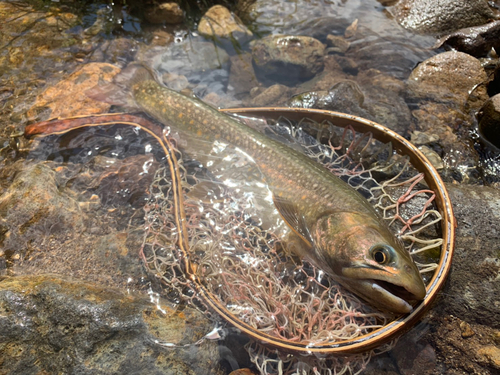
(293, 218)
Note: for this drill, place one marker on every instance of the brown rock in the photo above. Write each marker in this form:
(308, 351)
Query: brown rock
(67, 98)
(285, 57)
(448, 77)
(170, 13)
(466, 330)
(219, 23)
(489, 354)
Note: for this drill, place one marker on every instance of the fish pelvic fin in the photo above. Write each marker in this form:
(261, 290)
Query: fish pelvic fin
(293, 218)
(118, 92)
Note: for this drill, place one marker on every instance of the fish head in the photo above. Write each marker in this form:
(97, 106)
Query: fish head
(365, 257)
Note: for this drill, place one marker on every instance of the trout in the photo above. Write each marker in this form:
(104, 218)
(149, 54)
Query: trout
(340, 232)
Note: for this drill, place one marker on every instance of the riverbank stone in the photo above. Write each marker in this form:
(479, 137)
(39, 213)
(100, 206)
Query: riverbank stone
(55, 325)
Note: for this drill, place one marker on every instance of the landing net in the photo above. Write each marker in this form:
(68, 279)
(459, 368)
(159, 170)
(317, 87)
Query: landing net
(240, 247)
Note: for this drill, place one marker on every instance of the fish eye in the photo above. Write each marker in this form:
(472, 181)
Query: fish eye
(381, 253)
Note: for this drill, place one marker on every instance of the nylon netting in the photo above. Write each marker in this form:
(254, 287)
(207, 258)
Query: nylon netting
(244, 261)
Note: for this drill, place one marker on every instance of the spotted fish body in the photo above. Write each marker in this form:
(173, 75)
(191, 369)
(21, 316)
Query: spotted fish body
(341, 232)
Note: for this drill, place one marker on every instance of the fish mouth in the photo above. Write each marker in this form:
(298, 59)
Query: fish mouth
(396, 290)
(384, 291)
(390, 297)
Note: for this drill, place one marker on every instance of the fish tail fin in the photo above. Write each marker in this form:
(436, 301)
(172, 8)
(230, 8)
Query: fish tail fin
(118, 92)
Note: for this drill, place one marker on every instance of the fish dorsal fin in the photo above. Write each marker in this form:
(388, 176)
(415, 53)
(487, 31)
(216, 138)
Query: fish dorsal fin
(293, 218)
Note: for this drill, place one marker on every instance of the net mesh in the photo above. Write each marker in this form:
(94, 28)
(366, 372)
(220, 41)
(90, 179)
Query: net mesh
(247, 265)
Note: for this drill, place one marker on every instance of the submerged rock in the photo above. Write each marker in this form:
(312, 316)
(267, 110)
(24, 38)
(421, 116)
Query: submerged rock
(439, 17)
(288, 58)
(220, 24)
(52, 325)
(32, 207)
(67, 98)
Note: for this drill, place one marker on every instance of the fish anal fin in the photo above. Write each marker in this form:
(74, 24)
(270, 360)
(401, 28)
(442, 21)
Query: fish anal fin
(293, 218)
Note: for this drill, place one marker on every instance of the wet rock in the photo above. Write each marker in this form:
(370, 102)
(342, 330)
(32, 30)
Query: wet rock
(476, 41)
(473, 286)
(288, 58)
(429, 16)
(220, 24)
(345, 96)
(274, 95)
(386, 108)
(204, 65)
(449, 77)
(52, 325)
(169, 13)
(67, 98)
(458, 153)
(242, 75)
(489, 121)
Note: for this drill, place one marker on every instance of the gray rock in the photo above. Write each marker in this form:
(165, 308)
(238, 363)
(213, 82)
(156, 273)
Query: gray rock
(52, 325)
(474, 282)
(288, 58)
(489, 121)
(439, 17)
(476, 41)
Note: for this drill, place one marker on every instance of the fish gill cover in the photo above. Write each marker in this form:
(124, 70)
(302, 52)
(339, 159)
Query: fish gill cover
(240, 248)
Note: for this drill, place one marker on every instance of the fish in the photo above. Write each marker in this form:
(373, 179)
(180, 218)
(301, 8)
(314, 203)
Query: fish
(339, 230)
